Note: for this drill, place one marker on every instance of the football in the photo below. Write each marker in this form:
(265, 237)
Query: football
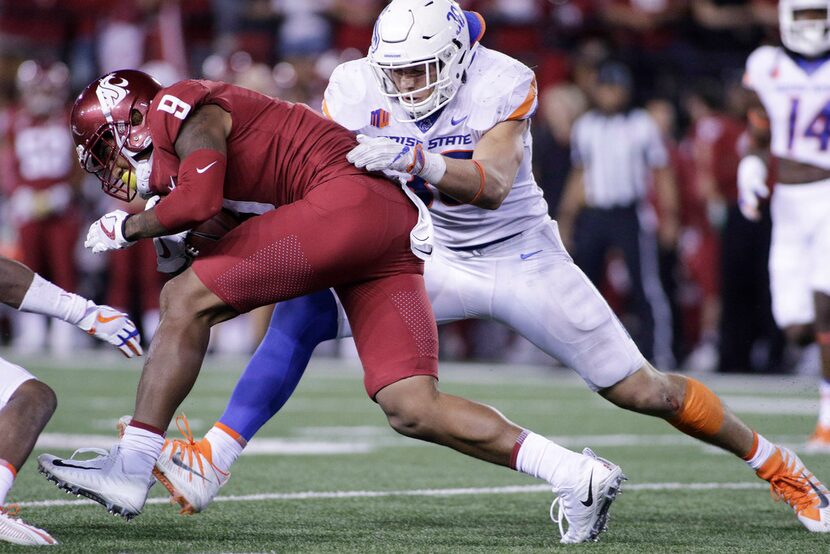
(202, 237)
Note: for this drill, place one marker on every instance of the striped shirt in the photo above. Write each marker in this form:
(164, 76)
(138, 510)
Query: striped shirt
(617, 153)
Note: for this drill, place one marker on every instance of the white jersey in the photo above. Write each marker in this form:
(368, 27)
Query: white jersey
(498, 88)
(796, 97)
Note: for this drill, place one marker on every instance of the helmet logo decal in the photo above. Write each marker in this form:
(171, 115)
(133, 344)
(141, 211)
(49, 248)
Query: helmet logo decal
(454, 16)
(375, 39)
(110, 93)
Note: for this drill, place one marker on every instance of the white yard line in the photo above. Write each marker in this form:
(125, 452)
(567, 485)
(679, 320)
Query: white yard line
(326, 495)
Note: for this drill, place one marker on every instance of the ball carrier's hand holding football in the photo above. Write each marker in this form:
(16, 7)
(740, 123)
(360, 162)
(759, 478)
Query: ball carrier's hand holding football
(201, 239)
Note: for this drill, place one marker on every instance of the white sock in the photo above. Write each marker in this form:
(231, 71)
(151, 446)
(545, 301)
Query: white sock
(45, 297)
(824, 403)
(139, 450)
(224, 448)
(762, 453)
(6, 481)
(547, 460)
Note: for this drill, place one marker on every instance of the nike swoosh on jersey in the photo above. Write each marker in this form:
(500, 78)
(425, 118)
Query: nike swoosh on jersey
(201, 170)
(454, 121)
(590, 500)
(529, 255)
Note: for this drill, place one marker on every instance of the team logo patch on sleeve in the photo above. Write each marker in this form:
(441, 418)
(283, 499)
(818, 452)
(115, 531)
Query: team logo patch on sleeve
(380, 118)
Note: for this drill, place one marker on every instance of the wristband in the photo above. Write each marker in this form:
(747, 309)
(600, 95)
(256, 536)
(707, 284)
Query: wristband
(434, 168)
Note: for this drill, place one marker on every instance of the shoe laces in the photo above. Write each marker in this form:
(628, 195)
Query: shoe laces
(189, 449)
(11, 510)
(99, 451)
(559, 518)
(794, 489)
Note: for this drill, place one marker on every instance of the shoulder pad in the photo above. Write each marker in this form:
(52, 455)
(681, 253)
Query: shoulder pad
(346, 94)
(500, 89)
(760, 66)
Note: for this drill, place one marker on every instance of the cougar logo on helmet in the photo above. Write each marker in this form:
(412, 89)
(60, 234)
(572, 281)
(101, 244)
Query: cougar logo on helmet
(110, 93)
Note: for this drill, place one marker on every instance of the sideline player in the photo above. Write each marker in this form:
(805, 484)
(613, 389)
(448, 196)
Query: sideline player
(789, 121)
(26, 404)
(465, 139)
(220, 144)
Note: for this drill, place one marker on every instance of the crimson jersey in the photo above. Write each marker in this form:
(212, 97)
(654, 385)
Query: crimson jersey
(277, 151)
(42, 151)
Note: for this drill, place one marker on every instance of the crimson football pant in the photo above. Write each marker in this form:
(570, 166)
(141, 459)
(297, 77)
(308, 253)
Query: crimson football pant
(351, 234)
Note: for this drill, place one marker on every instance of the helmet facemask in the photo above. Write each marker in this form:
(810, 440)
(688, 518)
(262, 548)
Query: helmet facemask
(809, 36)
(438, 81)
(101, 157)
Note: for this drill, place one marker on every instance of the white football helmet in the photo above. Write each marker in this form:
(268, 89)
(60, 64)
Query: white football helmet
(430, 33)
(809, 37)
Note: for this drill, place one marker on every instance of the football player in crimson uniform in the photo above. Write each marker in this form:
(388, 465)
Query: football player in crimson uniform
(44, 179)
(322, 223)
(789, 122)
(26, 404)
(497, 253)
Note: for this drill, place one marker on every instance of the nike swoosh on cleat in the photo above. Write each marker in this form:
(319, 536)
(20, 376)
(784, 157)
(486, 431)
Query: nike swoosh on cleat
(458, 121)
(590, 500)
(177, 460)
(823, 502)
(61, 463)
(201, 170)
(529, 255)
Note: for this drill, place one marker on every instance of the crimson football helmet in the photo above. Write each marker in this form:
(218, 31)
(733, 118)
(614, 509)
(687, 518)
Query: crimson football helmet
(109, 120)
(43, 87)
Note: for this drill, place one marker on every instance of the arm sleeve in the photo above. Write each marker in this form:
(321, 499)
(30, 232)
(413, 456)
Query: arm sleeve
(199, 193)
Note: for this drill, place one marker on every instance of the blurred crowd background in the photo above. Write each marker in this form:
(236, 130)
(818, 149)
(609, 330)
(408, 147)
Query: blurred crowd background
(685, 59)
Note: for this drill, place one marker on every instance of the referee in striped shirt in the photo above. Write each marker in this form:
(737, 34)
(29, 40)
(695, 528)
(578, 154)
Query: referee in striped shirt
(618, 154)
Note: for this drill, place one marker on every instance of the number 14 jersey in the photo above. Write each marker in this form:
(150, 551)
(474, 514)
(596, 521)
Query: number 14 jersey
(796, 95)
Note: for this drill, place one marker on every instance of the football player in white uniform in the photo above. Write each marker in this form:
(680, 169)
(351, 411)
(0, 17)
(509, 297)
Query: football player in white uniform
(26, 404)
(790, 121)
(429, 102)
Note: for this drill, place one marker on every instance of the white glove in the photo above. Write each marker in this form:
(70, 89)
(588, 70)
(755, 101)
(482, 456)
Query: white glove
(106, 323)
(172, 254)
(108, 233)
(382, 154)
(752, 186)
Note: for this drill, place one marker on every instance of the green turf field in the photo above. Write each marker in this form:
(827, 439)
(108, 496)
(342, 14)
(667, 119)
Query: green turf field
(330, 476)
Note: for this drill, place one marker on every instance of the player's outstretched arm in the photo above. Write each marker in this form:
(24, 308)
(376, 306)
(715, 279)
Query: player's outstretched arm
(25, 290)
(483, 181)
(486, 180)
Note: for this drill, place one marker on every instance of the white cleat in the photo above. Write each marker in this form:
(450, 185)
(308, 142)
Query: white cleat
(101, 479)
(186, 469)
(585, 505)
(17, 531)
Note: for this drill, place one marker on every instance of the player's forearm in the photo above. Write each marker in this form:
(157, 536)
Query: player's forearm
(144, 225)
(485, 186)
(15, 279)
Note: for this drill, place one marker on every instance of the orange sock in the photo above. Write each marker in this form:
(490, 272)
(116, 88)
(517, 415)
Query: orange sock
(701, 414)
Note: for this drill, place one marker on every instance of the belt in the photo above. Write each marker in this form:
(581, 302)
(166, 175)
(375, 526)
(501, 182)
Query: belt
(485, 245)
